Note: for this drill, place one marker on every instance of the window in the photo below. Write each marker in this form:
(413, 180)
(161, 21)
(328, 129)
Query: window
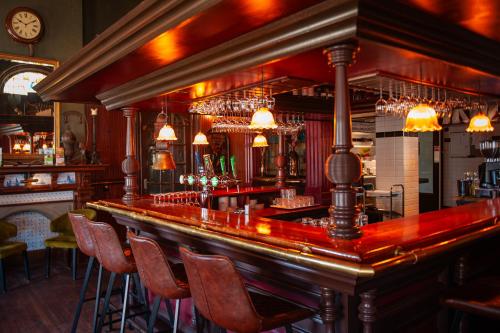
(22, 83)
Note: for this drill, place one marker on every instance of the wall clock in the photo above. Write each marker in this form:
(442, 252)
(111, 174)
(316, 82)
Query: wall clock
(24, 25)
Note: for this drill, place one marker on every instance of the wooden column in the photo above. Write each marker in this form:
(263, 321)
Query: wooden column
(343, 167)
(328, 309)
(130, 166)
(281, 162)
(367, 310)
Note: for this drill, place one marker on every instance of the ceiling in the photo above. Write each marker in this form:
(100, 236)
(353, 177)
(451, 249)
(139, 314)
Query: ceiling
(226, 20)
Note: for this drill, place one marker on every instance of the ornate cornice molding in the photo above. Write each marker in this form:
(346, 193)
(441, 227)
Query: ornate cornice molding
(399, 25)
(314, 27)
(143, 23)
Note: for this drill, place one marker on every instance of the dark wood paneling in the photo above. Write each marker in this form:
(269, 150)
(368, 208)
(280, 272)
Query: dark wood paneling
(319, 140)
(111, 133)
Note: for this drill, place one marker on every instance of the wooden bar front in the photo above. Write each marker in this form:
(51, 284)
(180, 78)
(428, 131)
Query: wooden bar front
(391, 277)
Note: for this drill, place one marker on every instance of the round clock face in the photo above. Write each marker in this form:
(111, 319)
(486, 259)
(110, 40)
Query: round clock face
(24, 25)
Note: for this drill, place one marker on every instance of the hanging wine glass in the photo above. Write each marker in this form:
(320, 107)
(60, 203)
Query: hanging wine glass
(391, 102)
(381, 104)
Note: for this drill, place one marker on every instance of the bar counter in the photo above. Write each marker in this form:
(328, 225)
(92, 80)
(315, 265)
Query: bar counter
(407, 252)
(380, 241)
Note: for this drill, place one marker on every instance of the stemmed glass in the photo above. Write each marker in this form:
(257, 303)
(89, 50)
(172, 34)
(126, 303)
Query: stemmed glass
(381, 104)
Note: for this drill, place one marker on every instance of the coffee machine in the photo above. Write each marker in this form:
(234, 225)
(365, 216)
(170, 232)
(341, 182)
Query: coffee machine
(489, 171)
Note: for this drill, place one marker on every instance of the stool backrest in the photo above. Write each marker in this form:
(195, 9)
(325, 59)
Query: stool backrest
(219, 292)
(7, 230)
(154, 268)
(108, 248)
(82, 233)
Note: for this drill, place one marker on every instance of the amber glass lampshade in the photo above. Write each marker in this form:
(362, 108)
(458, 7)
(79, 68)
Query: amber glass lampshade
(26, 148)
(167, 133)
(480, 123)
(422, 118)
(260, 141)
(200, 139)
(164, 161)
(262, 119)
(16, 148)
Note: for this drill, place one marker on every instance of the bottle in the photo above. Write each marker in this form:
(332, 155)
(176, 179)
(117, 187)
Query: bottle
(293, 161)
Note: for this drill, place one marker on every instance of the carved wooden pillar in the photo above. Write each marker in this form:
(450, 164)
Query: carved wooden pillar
(367, 310)
(84, 191)
(130, 166)
(328, 309)
(343, 167)
(281, 162)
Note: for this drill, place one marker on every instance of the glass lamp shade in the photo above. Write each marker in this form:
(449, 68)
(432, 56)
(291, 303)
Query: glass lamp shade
(200, 139)
(262, 119)
(164, 161)
(260, 141)
(422, 118)
(26, 147)
(17, 147)
(167, 133)
(480, 123)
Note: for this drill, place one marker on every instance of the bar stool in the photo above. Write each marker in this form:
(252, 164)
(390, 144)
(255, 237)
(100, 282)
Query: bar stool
(480, 297)
(86, 245)
(159, 276)
(112, 257)
(65, 238)
(9, 248)
(221, 297)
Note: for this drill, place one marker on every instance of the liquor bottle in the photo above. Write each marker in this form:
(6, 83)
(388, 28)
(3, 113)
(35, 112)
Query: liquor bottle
(293, 161)
(232, 160)
(222, 160)
(209, 168)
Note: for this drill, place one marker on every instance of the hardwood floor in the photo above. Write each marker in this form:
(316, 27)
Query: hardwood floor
(45, 305)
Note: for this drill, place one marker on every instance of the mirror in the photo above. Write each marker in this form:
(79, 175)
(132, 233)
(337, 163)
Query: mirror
(27, 124)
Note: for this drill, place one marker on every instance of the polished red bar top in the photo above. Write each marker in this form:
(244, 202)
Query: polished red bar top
(379, 241)
(245, 191)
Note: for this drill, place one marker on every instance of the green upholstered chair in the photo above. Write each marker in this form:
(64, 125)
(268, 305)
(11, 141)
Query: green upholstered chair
(65, 239)
(9, 248)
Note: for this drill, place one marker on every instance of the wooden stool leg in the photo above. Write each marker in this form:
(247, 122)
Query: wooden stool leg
(125, 302)
(74, 253)
(97, 299)
(26, 265)
(47, 261)
(104, 311)
(3, 282)
(154, 312)
(83, 291)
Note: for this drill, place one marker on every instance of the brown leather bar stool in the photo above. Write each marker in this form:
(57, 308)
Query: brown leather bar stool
(79, 223)
(159, 276)
(221, 297)
(113, 258)
(480, 297)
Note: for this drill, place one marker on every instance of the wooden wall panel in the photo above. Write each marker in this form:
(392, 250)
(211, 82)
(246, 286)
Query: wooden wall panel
(111, 134)
(319, 140)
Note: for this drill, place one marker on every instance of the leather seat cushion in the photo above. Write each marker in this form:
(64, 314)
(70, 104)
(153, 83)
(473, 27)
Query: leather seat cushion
(277, 312)
(10, 248)
(480, 297)
(62, 242)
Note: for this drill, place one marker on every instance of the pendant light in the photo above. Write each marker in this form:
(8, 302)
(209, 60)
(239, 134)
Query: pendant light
(166, 133)
(200, 139)
(480, 123)
(260, 141)
(422, 117)
(263, 118)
